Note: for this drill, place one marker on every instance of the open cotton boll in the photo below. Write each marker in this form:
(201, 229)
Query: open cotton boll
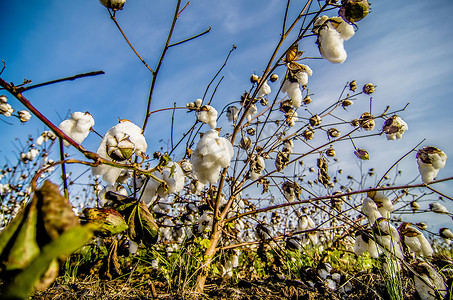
(438, 208)
(118, 133)
(293, 91)
(264, 90)
(394, 128)
(113, 4)
(77, 127)
(252, 110)
(345, 29)
(211, 154)
(173, 176)
(331, 45)
(383, 203)
(208, 115)
(430, 160)
(232, 113)
(428, 275)
(370, 209)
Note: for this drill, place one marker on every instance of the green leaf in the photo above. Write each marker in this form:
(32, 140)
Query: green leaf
(65, 244)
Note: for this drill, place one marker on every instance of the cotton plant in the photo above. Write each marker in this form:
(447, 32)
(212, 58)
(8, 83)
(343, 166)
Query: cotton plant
(210, 155)
(332, 32)
(119, 144)
(430, 160)
(394, 128)
(77, 127)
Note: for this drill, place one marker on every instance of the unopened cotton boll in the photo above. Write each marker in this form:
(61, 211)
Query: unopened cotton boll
(77, 127)
(118, 132)
(208, 115)
(211, 154)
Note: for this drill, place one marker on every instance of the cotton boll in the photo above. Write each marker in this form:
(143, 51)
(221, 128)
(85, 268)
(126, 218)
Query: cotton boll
(438, 208)
(211, 154)
(208, 115)
(77, 127)
(360, 246)
(345, 29)
(370, 209)
(331, 45)
(232, 113)
(252, 110)
(172, 175)
(430, 160)
(294, 92)
(113, 4)
(264, 90)
(430, 275)
(117, 133)
(394, 128)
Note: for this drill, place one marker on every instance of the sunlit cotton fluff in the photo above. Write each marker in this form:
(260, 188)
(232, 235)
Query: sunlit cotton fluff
(77, 127)
(120, 131)
(293, 91)
(331, 35)
(364, 243)
(208, 115)
(394, 128)
(383, 203)
(438, 208)
(430, 160)
(211, 154)
(302, 75)
(232, 113)
(251, 111)
(370, 209)
(264, 90)
(172, 175)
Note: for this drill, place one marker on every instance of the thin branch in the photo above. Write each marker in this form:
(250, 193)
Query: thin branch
(95, 73)
(401, 158)
(191, 38)
(112, 16)
(63, 169)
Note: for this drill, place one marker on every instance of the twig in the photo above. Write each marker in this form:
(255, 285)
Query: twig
(23, 89)
(191, 38)
(400, 159)
(112, 16)
(63, 169)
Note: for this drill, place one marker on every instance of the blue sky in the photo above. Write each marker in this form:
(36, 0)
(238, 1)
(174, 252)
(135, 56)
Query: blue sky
(404, 47)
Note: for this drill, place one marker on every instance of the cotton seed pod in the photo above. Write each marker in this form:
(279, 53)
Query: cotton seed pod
(308, 134)
(281, 161)
(414, 206)
(362, 154)
(113, 4)
(345, 103)
(263, 101)
(368, 88)
(110, 221)
(354, 10)
(315, 120)
(245, 142)
(333, 132)
(353, 85)
(422, 225)
(366, 121)
(251, 131)
(119, 149)
(355, 122)
(274, 77)
(254, 78)
(330, 152)
(286, 106)
(307, 100)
